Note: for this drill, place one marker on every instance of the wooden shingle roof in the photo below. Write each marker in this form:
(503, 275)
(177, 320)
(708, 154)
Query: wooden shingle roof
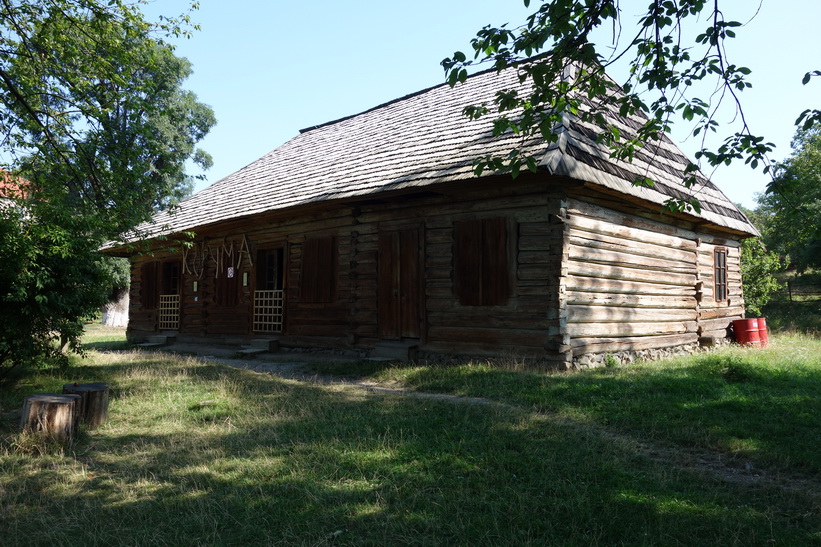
(423, 139)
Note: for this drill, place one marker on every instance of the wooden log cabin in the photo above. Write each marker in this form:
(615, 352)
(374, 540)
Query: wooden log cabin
(374, 230)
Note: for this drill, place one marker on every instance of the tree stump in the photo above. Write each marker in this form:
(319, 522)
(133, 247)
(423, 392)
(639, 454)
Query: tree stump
(53, 414)
(93, 403)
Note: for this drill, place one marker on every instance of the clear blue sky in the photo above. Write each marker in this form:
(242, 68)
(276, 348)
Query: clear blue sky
(269, 68)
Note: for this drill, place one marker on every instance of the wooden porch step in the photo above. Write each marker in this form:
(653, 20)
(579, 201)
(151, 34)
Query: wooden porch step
(262, 345)
(397, 351)
(158, 341)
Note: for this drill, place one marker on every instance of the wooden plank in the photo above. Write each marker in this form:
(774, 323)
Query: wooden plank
(630, 300)
(715, 313)
(625, 232)
(536, 257)
(479, 319)
(532, 271)
(538, 289)
(602, 256)
(620, 286)
(438, 273)
(604, 271)
(493, 337)
(720, 333)
(439, 304)
(600, 241)
(716, 324)
(604, 314)
(439, 237)
(439, 249)
(540, 229)
(534, 243)
(587, 330)
(444, 261)
(664, 229)
(631, 343)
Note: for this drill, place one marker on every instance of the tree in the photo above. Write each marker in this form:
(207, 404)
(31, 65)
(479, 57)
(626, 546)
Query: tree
(758, 269)
(97, 130)
(554, 50)
(93, 112)
(792, 202)
(759, 265)
(50, 279)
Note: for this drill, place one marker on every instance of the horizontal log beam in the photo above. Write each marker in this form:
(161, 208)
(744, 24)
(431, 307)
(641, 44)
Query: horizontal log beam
(610, 314)
(587, 330)
(634, 343)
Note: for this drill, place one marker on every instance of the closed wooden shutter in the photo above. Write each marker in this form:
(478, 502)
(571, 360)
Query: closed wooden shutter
(467, 258)
(149, 286)
(318, 279)
(481, 266)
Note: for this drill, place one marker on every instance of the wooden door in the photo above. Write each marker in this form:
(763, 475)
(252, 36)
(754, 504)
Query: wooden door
(399, 284)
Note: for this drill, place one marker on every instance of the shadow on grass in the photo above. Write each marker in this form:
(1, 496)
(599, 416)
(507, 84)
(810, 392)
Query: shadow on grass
(733, 403)
(308, 465)
(799, 316)
(109, 345)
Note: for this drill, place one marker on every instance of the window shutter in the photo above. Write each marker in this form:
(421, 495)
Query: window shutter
(467, 258)
(481, 273)
(318, 280)
(149, 290)
(495, 275)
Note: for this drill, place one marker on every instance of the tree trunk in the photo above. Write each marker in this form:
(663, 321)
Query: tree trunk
(115, 313)
(55, 415)
(93, 403)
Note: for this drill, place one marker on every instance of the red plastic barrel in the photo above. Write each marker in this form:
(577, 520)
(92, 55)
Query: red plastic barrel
(746, 332)
(762, 332)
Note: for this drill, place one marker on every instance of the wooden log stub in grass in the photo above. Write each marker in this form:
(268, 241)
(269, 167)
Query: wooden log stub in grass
(53, 414)
(93, 403)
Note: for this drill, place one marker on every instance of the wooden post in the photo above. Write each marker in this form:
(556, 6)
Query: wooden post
(53, 414)
(93, 403)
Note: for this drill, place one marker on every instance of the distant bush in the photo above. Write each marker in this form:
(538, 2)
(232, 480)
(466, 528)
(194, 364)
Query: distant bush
(758, 273)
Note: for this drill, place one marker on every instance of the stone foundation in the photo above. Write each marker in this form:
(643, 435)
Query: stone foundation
(592, 360)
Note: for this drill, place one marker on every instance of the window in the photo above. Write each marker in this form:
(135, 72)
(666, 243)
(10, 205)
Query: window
(269, 269)
(481, 271)
(318, 282)
(171, 278)
(720, 272)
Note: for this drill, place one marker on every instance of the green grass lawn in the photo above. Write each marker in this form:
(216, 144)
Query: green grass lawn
(599, 457)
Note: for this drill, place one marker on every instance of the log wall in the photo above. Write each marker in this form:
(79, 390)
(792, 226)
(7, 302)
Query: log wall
(583, 277)
(633, 284)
